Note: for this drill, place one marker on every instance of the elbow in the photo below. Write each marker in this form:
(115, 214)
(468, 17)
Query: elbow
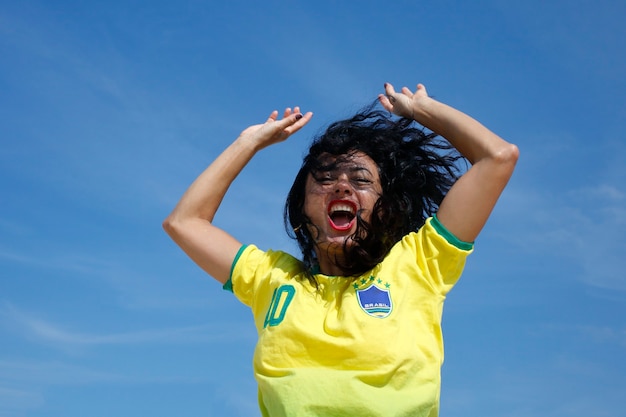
(175, 228)
(180, 228)
(170, 225)
(507, 156)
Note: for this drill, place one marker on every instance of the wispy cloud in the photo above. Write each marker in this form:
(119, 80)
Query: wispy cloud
(551, 386)
(139, 282)
(37, 373)
(598, 334)
(40, 373)
(604, 192)
(35, 328)
(585, 226)
(239, 403)
(13, 400)
(549, 26)
(46, 257)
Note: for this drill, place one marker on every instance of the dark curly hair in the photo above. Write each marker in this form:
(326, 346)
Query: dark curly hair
(416, 171)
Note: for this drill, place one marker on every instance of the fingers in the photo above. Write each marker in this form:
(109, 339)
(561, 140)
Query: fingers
(273, 116)
(289, 115)
(390, 94)
(392, 99)
(297, 121)
(397, 100)
(292, 121)
(387, 100)
(389, 90)
(287, 112)
(421, 90)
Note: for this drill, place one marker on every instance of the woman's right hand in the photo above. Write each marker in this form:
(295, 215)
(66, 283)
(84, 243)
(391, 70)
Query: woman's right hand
(273, 130)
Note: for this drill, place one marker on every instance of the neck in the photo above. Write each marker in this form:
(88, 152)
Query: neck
(331, 270)
(329, 261)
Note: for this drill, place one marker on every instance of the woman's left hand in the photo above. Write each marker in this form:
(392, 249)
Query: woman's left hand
(405, 102)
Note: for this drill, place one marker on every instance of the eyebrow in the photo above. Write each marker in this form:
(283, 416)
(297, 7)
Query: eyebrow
(359, 168)
(337, 167)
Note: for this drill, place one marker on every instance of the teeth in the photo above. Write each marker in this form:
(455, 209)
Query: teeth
(342, 207)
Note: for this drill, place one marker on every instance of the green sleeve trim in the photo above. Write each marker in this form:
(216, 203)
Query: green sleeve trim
(228, 285)
(446, 234)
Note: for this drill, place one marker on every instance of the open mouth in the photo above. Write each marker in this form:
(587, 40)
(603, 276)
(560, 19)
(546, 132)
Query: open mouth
(341, 215)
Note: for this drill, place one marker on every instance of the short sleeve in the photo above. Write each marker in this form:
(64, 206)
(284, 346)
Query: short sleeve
(255, 273)
(438, 255)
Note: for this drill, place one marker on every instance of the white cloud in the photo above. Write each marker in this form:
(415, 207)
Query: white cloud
(242, 401)
(139, 280)
(14, 399)
(583, 226)
(603, 192)
(36, 373)
(549, 386)
(583, 36)
(604, 334)
(40, 373)
(57, 335)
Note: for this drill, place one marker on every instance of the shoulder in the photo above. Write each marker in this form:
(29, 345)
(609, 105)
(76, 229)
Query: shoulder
(434, 234)
(250, 257)
(253, 266)
(431, 255)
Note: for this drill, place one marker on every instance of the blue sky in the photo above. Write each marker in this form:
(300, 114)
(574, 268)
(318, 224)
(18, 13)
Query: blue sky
(110, 109)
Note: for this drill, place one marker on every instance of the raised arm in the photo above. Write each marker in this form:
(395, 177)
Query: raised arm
(189, 224)
(467, 206)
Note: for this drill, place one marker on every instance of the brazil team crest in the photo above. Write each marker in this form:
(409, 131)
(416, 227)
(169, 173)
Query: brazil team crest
(374, 300)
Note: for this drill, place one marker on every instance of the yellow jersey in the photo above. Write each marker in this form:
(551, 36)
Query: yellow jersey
(366, 346)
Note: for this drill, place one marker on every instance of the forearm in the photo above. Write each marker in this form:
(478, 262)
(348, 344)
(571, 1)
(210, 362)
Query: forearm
(473, 140)
(189, 224)
(205, 195)
(471, 199)
(203, 198)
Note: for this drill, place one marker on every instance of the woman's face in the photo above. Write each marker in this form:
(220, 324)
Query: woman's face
(334, 195)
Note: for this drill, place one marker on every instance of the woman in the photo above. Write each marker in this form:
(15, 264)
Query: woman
(384, 226)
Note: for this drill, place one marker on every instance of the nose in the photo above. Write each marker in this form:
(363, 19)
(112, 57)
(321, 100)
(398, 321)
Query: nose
(342, 185)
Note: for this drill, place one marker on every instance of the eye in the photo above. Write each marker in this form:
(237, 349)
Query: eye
(325, 179)
(362, 181)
